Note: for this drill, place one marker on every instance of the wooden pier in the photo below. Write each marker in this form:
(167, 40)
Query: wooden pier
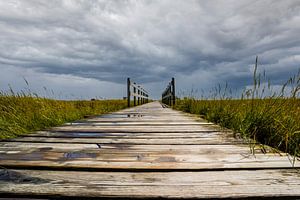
(148, 151)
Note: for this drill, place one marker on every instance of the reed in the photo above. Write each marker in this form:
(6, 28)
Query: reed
(272, 118)
(22, 113)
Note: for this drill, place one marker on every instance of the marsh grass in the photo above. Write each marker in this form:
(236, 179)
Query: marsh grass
(23, 113)
(272, 119)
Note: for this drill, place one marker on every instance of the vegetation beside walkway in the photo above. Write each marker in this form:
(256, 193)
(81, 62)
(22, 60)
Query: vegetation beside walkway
(268, 116)
(274, 122)
(21, 114)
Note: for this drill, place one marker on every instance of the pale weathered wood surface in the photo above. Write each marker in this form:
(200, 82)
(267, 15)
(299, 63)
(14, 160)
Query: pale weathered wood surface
(144, 152)
(206, 184)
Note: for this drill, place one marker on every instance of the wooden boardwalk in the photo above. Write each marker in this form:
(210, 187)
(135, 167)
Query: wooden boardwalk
(143, 152)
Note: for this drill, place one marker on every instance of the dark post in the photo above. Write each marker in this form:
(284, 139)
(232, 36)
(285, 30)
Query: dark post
(173, 91)
(142, 99)
(170, 97)
(134, 98)
(128, 92)
(139, 92)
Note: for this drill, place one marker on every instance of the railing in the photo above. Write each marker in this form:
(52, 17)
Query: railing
(168, 96)
(140, 95)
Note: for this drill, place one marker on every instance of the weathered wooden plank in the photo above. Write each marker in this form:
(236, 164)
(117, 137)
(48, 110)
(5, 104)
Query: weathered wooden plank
(121, 124)
(141, 141)
(99, 120)
(138, 157)
(199, 134)
(12, 146)
(5, 148)
(145, 117)
(150, 126)
(199, 185)
(150, 112)
(211, 133)
(132, 166)
(139, 129)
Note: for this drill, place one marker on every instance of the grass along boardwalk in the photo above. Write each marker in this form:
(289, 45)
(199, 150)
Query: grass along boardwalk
(147, 151)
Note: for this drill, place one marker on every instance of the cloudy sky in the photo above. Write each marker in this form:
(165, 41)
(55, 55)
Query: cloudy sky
(84, 49)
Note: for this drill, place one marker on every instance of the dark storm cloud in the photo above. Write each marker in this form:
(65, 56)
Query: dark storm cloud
(152, 40)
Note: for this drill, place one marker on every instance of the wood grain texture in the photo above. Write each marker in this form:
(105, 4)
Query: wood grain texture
(138, 141)
(201, 185)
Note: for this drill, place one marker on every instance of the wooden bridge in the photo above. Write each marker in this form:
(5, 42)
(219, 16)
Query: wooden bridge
(148, 151)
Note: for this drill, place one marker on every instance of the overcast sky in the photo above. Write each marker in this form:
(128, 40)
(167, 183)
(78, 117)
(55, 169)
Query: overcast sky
(84, 49)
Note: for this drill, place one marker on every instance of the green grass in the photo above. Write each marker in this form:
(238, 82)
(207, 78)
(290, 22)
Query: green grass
(21, 114)
(272, 119)
(274, 122)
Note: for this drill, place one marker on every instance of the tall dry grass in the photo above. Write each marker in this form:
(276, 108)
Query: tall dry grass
(272, 118)
(22, 113)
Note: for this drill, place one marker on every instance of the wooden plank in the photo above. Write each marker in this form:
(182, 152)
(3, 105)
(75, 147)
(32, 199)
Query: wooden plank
(202, 134)
(141, 141)
(144, 114)
(144, 129)
(196, 185)
(121, 124)
(140, 117)
(130, 165)
(140, 157)
(148, 114)
(145, 117)
(113, 120)
(5, 148)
